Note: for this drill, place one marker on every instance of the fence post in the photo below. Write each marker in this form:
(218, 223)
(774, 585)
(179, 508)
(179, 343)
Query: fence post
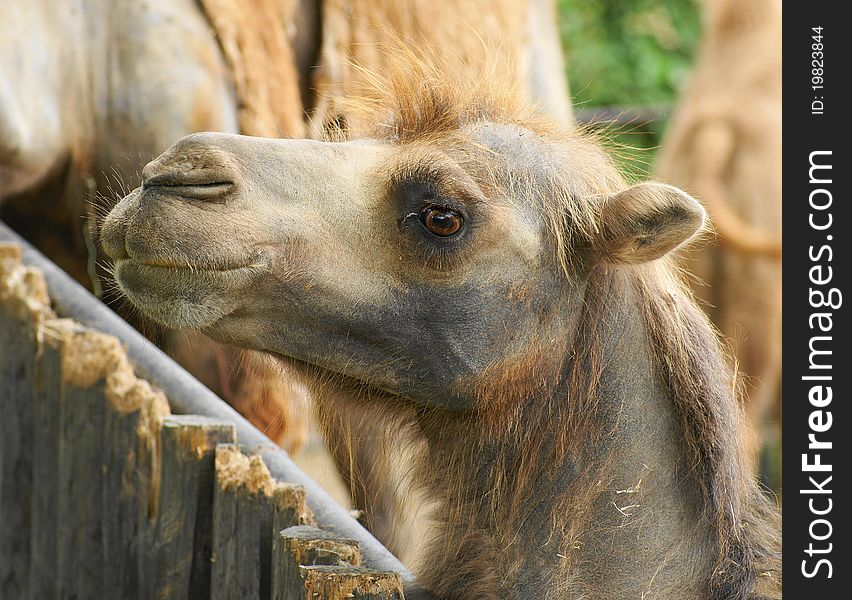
(306, 546)
(23, 304)
(181, 536)
(109, 466)
(245, 500)
(345, 582)
(45, 520)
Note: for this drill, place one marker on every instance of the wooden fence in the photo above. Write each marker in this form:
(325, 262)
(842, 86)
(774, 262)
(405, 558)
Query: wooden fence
(104, 493)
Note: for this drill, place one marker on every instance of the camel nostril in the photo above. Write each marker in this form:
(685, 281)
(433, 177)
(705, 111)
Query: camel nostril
(192, 184)
(196, 166)
(189, 185)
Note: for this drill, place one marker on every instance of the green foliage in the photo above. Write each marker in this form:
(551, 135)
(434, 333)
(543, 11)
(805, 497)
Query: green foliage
(628, 53)
(635, 53)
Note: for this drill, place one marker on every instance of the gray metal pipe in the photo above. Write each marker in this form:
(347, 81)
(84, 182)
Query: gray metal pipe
(188, 396)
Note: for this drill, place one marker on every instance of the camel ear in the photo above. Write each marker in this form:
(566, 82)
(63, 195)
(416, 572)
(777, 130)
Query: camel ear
(646, 221)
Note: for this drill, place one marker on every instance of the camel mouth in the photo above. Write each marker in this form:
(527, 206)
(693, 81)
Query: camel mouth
(257, 262)
(187, 295)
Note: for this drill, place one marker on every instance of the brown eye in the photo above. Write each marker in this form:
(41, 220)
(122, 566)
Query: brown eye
(441, 221)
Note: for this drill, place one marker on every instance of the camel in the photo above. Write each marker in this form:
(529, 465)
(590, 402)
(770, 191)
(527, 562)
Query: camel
(724, 145)
(487, 287)
(111, 100)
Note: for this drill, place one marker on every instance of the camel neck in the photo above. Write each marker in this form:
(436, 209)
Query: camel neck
(615, 514)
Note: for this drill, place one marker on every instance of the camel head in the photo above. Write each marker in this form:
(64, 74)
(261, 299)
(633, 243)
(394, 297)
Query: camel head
(444, 241)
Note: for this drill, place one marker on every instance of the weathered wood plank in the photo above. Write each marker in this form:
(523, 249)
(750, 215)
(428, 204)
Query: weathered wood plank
(47, 407)
(245, 500)
(200, 574)
(81, 479)
(125, 493)
(15, 459)
(188, 446)
(289, 509)
(350, 583)
(306, 546)
(108, 467)
(235, 570)
(23, 303)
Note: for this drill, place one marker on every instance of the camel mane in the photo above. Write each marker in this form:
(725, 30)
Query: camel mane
(707, 399)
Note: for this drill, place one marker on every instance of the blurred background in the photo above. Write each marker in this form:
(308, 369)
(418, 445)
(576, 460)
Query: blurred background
(626, 62)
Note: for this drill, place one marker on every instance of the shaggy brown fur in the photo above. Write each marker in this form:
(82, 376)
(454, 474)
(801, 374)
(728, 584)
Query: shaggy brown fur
(581, 440)
(690, 361)
(465, 34)
(247, 46)
(512, 432)
(526, 425)
(724, 145)
(359, 38)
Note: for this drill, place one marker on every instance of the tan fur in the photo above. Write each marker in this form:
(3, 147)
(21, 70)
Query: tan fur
(465, 33)
(253, 36)
(421, 102)
(597, 456)
(724, 145)
(467, 536)
(363, 38)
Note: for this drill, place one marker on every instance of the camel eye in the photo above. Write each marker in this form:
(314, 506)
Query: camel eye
(440, 220)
